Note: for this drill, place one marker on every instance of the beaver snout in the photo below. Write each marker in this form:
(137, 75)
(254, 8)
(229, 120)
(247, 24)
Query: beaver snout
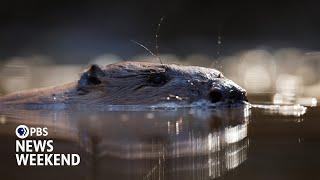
(234, 95)
(237, 95)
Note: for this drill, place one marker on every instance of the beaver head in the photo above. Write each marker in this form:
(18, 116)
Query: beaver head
(129, 83)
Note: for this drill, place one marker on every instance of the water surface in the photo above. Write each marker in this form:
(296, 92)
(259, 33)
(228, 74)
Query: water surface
(281, 142)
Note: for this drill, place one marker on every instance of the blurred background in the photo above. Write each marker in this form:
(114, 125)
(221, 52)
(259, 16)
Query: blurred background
(269, 47)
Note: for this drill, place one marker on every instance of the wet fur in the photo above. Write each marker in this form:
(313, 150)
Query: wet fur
(132, 83)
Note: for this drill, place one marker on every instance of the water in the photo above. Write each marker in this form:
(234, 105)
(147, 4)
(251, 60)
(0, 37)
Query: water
(262, 142)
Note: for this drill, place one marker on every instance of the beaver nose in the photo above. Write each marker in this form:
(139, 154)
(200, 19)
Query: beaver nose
(215, 95)
(237, 95)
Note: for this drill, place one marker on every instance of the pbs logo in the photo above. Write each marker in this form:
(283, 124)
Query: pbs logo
(22, 131)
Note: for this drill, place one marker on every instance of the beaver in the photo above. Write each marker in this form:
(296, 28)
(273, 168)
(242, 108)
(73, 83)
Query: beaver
(136, 83)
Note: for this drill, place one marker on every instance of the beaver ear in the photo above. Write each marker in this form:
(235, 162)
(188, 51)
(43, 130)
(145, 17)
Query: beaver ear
(96, 71)
(92, 76)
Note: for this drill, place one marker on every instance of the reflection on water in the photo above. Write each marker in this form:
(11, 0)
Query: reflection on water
(264, 142)
(182, 144)
(171, 145)
(288, 110)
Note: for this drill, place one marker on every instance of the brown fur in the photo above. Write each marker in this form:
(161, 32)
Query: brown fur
(129, 83)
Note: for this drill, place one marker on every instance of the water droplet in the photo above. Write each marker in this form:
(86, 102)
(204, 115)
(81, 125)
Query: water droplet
(219, 41)
(3, 120)
(54, 97)
(149, 115)
(178, 98)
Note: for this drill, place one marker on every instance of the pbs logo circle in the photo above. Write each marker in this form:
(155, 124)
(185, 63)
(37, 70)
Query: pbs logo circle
(22, 131)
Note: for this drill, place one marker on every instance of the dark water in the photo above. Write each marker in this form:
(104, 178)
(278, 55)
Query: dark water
(236, 143)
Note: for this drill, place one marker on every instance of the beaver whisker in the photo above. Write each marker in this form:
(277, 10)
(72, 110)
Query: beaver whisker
(139, 87)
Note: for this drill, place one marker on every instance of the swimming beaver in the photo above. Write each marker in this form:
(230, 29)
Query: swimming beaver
(136, 83)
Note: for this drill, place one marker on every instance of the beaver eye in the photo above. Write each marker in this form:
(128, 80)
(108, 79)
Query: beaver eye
(157, 78)
(94, 80)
